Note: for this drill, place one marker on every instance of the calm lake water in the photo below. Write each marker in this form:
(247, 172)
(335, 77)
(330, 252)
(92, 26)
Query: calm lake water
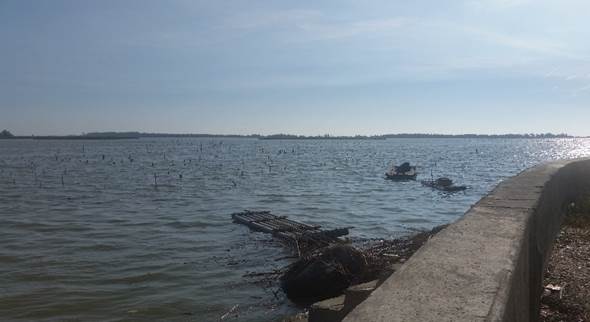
(85, 234)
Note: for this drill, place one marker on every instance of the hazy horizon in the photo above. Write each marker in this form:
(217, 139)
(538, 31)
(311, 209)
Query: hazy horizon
(295, 134)
(304, 68)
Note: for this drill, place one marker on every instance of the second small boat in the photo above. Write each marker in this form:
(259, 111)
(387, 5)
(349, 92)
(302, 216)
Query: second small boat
(443, 184)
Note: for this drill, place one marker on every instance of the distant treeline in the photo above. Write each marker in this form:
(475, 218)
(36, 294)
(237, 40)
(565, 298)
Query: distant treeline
(92, 136)
(136, 135)
(421, 136)
(5, 134)
(195, 135)
(129, 135)
(320, 137)
(480, 136)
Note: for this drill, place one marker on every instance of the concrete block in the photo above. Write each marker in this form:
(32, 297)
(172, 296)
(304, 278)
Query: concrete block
(358, 293)
(330, 310)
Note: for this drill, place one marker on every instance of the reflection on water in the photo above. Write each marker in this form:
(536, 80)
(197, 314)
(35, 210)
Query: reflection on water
(140, 229)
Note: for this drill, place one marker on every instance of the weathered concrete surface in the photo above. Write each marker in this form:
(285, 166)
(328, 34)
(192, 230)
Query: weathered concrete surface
(488, 265)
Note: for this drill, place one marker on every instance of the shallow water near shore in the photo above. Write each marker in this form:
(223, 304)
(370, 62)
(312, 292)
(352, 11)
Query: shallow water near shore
(141, 229)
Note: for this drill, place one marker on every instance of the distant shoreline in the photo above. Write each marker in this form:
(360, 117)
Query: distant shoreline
(421, 136)
(78, 137)
(138, 135)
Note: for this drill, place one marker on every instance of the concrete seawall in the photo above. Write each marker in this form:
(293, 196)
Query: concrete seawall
(488, 265)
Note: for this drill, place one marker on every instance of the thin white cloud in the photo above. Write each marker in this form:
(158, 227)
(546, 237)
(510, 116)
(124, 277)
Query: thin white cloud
(352, 29)
(580, 90)
(496, 4)
(311, 25)
(272, 19)
(394, 48)
(520, 42)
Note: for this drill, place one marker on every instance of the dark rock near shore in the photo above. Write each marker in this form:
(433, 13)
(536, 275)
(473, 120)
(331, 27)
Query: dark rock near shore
(323, 274)
(354, 272)
(329, 271)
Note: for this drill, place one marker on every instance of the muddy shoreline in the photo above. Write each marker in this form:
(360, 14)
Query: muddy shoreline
(566, 282)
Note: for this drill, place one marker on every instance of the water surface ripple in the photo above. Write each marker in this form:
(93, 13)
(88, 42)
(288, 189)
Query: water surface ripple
(85, 234)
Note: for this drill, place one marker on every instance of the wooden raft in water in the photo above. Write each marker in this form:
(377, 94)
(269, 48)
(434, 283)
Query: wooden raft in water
(304, 238)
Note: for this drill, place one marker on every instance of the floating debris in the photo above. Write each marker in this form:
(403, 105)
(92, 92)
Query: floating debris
(302, 237)
(325, 265)
(443, 184)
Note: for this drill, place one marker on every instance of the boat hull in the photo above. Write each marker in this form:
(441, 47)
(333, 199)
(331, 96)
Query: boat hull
(400, 177)
(453, 188)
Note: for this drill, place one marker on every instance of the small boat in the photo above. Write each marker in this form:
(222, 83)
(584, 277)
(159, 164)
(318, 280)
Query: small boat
(443, 184)
(403, 172)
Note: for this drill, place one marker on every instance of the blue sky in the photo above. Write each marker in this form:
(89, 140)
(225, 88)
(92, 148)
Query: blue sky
(340, 67)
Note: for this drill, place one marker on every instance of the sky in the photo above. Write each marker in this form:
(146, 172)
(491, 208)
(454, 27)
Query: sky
(300, 67)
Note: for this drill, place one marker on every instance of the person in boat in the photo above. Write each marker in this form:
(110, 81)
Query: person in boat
(404, 171)
(405, 167)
